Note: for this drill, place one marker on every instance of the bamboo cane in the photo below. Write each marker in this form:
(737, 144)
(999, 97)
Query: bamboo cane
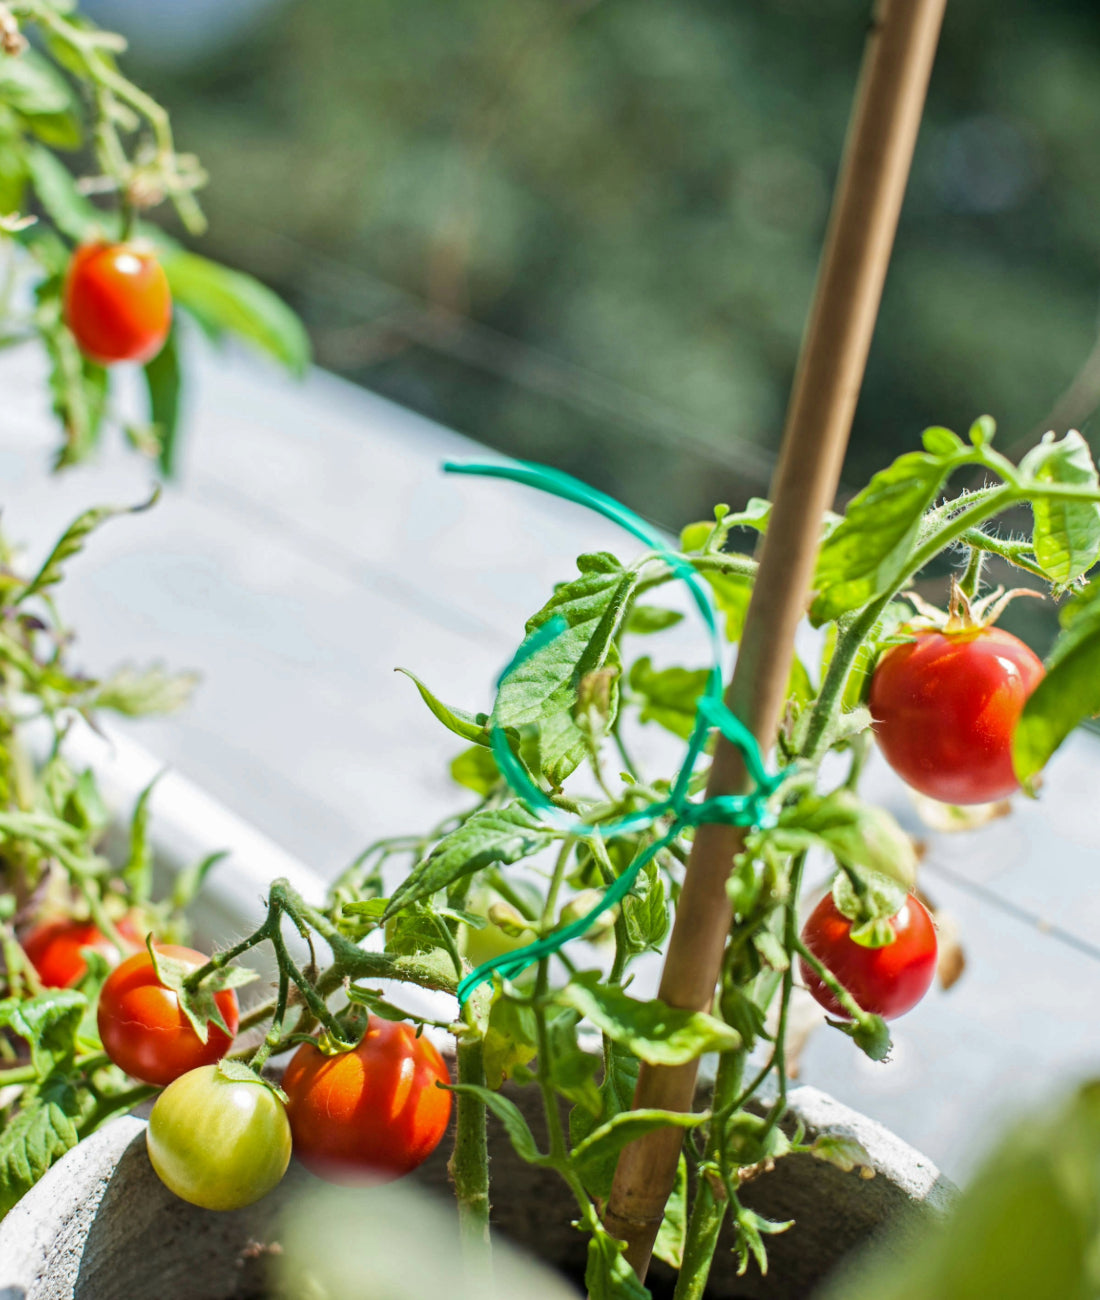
(883, 131)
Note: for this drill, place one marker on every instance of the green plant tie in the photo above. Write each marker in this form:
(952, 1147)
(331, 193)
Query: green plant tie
(711, 713)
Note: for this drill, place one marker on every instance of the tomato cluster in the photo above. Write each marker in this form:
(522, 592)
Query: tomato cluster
(369, 1114)
(56, 948)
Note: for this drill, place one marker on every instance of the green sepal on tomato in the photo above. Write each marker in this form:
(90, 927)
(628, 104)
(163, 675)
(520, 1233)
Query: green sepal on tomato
(945, 706)
(148, 1027)
(218, 1138)
(370, 1114)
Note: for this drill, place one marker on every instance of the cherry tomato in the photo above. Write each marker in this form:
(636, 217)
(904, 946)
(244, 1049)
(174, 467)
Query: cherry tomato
(945, 706)
(117, 302)
(54, 948)
(888, 981)
(144, 1029)
(218, 1142)
(371, 1114)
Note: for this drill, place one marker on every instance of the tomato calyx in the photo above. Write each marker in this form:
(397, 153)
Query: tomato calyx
(241, 1072)
(197, 1002)
(965, 615)
(870, 901)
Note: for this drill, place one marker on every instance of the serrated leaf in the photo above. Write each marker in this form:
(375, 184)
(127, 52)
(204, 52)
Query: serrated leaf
(607, 1275)
(44, 1128)
(596, 1156)
(1070, 691)
(655, 1032)
(645, 911)
(857, 834)
(842, 1151)
(511, 1039)
(668, 696)
(541, 688)
(672, 1233)
(573, 1071)
(503, 835)
(509, 1114)
(49, 1023)
(476, 769)
(225, 301)
(71, 543)
(466, 725)
(1066, 539)
(866, 554)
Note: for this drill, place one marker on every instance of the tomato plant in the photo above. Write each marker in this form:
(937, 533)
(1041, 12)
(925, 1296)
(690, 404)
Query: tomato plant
(117, 302)
(218, 1142)
(373, 1113)
(946, 705)
(55, 948)
(145, 1030)
(886, 980)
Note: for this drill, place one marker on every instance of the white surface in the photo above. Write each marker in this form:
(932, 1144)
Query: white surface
(313, 544)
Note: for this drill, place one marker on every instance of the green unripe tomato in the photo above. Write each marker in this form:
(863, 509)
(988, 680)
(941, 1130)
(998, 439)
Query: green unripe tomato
(216, 1142)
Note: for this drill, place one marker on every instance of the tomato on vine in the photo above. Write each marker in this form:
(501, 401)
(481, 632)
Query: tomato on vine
(945, 706)
(888, 980)
(117, 302)
(217, 1142)
(370, 1114)
(55, 948)
(144, 1029)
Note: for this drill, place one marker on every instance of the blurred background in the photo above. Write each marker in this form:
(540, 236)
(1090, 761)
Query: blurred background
(585, 231)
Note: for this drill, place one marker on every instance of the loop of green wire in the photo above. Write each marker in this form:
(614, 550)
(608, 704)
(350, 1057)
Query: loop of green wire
(734, 810)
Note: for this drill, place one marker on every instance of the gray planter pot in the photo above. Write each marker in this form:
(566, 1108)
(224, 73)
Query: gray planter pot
(100, 1225)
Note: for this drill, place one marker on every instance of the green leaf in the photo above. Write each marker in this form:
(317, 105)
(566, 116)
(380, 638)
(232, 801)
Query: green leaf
(78, 386)
(239, 1072)
(645, 911)
(71, 542)
(869, 1033)
(138, 692)
(732, 593)
(198, 1005)
(616, 1092)
(542, 689)
(844, 1152)
(868, 552)
(163, 381)
(190, 880)
(55, 186)
(941, 442)
(1066, 540)
(596, 1156)
(608, 1276)
(511, 1039)
(44, 1128)
(1070, 691)
(573, 1071)
(857, 834)
(491, 835)
(672, 1233)
(49, 1023)
(668, 696)
(138, 872)
(477, 770)
(509, 1114)
(646, 619)
(467, 725)
(229, 302)
(655, 1032)
(36, 90)
(750, 1229)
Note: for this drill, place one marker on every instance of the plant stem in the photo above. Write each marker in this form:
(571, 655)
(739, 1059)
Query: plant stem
(972, 578)
(469, 1162)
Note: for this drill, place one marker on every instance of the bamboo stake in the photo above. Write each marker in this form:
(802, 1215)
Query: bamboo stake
(883, 131)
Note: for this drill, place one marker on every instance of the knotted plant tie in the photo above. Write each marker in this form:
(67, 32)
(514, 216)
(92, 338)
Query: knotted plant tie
(711, 712)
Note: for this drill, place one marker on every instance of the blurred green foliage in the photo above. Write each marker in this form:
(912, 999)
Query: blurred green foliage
(586, 231)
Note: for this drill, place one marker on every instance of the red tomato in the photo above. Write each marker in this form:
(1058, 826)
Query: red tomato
(54, 948)
(117, 302)
(143, 1028)
(887, 981)
(945, 706)
(371, 1114)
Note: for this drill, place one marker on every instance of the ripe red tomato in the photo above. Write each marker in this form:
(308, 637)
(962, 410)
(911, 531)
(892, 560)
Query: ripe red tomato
(371, 1114)
(54, 948)
(945, 706)
(887, 981)
(117, 302)
(217, 1142)
(143, 1028)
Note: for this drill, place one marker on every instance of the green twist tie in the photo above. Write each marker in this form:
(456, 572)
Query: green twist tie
(729, 809)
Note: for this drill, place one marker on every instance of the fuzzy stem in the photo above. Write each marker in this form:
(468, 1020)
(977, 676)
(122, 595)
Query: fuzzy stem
(469, 1162)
